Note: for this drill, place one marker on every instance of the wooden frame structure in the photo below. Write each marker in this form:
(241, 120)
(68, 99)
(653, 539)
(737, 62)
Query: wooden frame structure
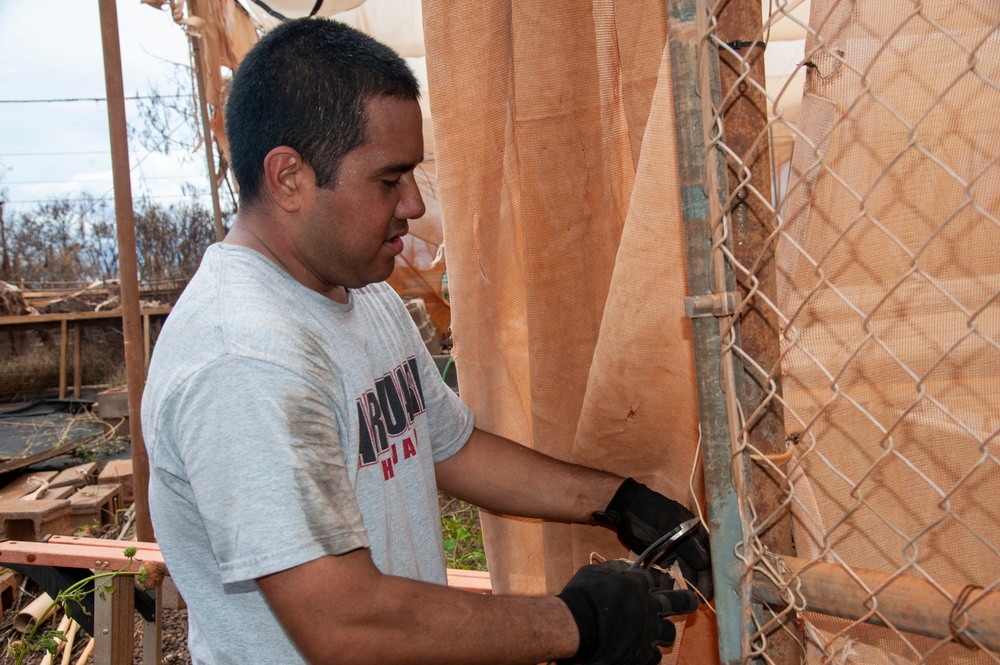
(114, 613)
(72, 321)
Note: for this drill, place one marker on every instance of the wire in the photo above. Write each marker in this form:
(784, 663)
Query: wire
(83, 99)
(95, 180)
(47, 154)
(83, 198)
(112, 189)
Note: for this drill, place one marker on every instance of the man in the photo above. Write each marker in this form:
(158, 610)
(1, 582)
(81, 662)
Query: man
(297, 429)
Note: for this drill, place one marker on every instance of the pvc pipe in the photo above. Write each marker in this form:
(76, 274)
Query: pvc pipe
(63, 626)
(89, 649)
(33, 613)
(70, 639)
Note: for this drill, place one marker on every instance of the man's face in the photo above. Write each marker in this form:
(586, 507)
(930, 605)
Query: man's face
(353, 230)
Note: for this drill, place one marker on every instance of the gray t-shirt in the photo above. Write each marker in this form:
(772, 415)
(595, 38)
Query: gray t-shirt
(281, 427)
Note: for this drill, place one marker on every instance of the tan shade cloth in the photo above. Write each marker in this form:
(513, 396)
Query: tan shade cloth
(557, 178)
(889, 274)
(226, 33)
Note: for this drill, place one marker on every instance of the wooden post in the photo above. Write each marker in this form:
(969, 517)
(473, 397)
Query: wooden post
(152, 632)
(5, 267)
(114, 623)
(77, 361)
(63, 342)
(146, 350)
(128, 265)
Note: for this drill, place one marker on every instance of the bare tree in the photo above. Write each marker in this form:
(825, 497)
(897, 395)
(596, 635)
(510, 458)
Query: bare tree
(75, 240)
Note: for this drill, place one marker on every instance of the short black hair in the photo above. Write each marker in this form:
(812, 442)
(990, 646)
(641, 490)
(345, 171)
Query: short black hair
(306, 85)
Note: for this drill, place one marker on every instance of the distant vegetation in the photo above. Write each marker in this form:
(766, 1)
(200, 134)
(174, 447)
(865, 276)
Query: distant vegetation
(75, 241)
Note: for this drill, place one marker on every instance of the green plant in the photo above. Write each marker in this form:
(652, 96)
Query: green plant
(149, 575)
(462, 535)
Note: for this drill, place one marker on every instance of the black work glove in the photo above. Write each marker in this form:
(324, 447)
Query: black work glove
(640, 516)
(621, 613)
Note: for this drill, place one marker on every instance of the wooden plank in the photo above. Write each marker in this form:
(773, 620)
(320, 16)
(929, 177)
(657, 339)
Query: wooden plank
(77, 316)
(73, 552)
(26, 484)
(82, 552)
(77, 476)
(470, 580)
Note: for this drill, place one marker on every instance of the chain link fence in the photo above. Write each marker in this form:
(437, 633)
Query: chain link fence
(852, 175)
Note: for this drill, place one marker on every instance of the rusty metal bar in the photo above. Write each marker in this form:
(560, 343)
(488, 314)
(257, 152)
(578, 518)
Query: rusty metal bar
(739, 27)
(911, 604)
(127, 263)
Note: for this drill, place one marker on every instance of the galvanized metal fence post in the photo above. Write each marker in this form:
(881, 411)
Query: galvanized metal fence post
(687, 53)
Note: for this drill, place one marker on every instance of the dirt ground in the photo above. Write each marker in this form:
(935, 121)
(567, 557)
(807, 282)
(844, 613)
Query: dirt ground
(173, 641)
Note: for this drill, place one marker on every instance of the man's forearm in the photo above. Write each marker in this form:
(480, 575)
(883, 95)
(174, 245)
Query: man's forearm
(342, 610)
(502, 476)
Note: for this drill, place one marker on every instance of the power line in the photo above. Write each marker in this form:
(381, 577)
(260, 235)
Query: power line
(55, 154)
(95, 180)
(112, 189)
(84, 99)
(83, 198)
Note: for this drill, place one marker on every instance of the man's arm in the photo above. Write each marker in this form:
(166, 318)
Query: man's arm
(341, 609)
(502, 476)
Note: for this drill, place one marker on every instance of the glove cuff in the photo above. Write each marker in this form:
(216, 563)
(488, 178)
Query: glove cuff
(613, 517)
(585, 615)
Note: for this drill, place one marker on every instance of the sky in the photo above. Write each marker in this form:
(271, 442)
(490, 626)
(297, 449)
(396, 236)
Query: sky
(52, 51)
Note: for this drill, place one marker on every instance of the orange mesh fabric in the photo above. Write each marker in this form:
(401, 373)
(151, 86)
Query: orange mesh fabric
(556, 168)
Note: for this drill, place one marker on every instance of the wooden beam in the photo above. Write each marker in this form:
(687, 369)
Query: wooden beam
(73, 552)
(27, 320)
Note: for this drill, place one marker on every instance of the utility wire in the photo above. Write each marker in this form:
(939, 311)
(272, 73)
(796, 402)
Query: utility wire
(55, 154)
(159, 196)
(84, 99)
(112, 189)
(94, 180)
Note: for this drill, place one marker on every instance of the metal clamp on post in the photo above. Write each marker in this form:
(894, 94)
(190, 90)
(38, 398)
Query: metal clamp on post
(711, 304)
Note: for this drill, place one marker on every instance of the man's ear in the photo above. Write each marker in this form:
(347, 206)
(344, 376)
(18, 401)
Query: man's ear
(287, 177)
